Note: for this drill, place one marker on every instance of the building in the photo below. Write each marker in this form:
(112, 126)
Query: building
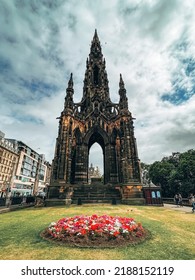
(31, 170)
(96, 119)
(94, 172)
(8, 162)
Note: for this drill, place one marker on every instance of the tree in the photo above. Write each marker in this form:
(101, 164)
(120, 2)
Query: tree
(175, 174)
(186, 172)
(160, 173)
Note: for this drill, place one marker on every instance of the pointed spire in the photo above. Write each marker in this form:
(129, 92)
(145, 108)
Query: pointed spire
(95, 37)
(70, 83)
(96, 51)
(68, 105)
(123, 103)
(121, 82)
(95, 80)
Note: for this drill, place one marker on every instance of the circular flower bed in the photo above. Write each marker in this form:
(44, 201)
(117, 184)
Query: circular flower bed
(96, 231)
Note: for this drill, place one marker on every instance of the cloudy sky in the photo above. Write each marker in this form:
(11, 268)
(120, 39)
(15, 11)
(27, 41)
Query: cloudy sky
(151, 42)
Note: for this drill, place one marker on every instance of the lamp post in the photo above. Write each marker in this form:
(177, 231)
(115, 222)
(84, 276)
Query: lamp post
(31, 188)
(36, 183)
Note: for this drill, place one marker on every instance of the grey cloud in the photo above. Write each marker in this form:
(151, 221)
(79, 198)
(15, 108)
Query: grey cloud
(183, 139)
(147, 41)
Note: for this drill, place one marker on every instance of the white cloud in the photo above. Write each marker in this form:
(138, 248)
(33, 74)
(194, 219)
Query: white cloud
(150, 42)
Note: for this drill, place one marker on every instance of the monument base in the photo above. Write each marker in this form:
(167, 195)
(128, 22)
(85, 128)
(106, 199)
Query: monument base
(133, 201)
(96, 192)
(57, 202)
(132, 194)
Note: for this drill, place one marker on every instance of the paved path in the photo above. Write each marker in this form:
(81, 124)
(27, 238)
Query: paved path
(187, 209)
(173, 207)
(4, 209)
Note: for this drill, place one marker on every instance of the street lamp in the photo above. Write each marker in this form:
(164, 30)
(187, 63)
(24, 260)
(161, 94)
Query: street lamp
(36, 183)
(31, 189)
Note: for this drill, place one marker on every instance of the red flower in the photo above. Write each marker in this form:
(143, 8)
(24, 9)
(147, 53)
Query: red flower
(83, 231)
(94, 226)
(99, 225)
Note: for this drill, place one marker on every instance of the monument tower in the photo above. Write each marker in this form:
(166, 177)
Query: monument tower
(96, 119)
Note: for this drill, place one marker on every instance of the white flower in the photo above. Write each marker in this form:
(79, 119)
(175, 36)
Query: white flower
(117, 223)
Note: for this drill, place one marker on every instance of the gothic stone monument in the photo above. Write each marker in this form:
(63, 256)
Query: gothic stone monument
(96, 119)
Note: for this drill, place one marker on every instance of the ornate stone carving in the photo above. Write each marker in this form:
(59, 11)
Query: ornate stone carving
(96, 119)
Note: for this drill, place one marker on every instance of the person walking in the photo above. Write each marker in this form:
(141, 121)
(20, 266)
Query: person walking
(180, 200)
(192, 202)
(176, 199)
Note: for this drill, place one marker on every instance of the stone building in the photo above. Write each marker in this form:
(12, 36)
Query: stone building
(94, 172)
(30, 173)
(96, 119)
(8, 162)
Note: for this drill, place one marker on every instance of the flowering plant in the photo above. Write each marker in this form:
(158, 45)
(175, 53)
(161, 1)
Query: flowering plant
(95, 226)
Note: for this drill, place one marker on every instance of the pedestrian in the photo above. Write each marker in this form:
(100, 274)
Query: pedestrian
(180, 200)
(176, 199)
(192, 202)
(8, 200)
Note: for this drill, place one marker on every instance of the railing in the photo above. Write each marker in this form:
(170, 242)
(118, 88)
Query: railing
(2, 201)
(22, 200)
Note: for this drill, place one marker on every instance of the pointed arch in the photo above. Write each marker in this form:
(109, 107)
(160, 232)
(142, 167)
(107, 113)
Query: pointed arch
(96, 134)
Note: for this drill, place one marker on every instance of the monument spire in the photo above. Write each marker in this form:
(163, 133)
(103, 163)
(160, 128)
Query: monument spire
(96, 51)
(95, 81)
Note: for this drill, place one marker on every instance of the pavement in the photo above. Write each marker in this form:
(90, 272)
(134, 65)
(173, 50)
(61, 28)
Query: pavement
(186, 209)
(4, 209)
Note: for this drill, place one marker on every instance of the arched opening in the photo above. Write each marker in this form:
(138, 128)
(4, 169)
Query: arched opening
(96, 153)
(95, 162)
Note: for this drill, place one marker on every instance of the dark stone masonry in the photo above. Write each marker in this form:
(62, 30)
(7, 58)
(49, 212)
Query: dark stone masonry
(96, 119)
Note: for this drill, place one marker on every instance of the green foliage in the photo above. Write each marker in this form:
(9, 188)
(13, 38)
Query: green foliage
(175, 174)
(159, 173)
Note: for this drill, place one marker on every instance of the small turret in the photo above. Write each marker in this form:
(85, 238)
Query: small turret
(70, 82)
(123, 102)
(68, 104)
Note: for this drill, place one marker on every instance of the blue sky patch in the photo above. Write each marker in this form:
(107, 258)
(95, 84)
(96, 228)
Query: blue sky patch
(178, 97)
(27, 119)
(189, 66)
(39, 88)
(4, 65)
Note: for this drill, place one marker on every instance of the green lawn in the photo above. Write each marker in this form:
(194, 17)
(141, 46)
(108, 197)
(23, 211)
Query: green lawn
(173, 234)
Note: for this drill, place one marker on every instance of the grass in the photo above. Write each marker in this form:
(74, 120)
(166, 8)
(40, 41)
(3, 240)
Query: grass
(173, 234)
